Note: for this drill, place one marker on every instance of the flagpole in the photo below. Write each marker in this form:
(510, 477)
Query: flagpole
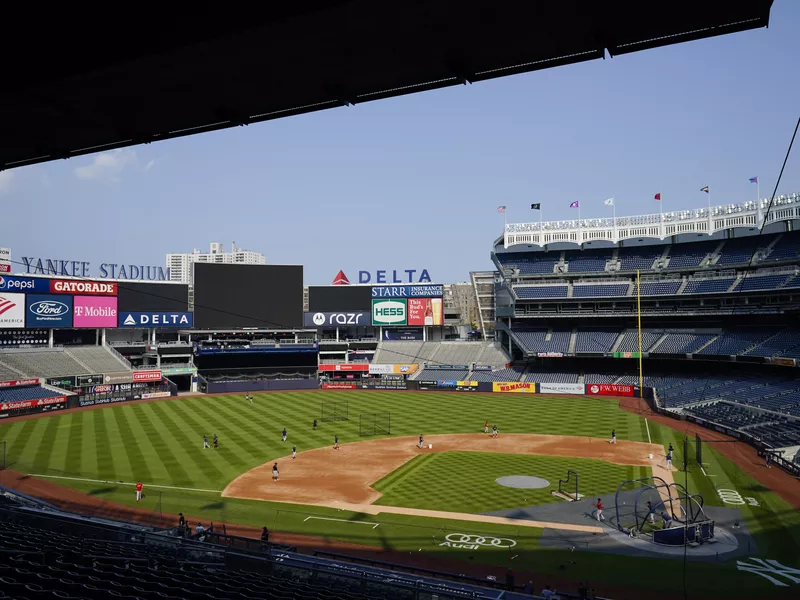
(541, 227)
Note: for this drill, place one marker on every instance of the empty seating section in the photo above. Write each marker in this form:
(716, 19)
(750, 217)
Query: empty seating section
(708, 286)
(6, 372)
(793, 282)
(630, 340)
(786, 248)
(785, 343)
(736, 342)
(588, 261)
(529, 292)
(595, 340)
(541, 376)
(762, 282)
(599, 378)
(580, 290)
(731, 415)
(541, 340)
(739, 251)
(641, 259)
(659, 288)
(444, 353)
(98, 359)
(683, 256)
(530, 263)
(43, 362)
(397, 352)
(434, 374)
(17, 394)
(501, 375)
(682, 343)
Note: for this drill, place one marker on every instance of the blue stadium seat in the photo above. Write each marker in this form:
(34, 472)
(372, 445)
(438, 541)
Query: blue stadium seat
(659, 288)
(540, 291)
(600, 290)
(760, 282)
(588, 261)
(17, 394)
(708, 286)
(682, 256)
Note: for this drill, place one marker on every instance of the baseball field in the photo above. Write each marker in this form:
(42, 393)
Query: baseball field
(383, 492)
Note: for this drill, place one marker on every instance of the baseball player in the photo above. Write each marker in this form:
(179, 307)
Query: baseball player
(421, 441)
(294, 451)
(669, 461)
(205, 442)
(599, 512)
(613, 439)
(494, 431)
(651, 513)
(283, 434)
(275, 472)
(249, 397)
(139, 488)
(216, 441)
(486, 427)
(314, 425)
(336, 442)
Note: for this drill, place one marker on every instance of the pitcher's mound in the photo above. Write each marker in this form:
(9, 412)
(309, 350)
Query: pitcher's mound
(525, 482)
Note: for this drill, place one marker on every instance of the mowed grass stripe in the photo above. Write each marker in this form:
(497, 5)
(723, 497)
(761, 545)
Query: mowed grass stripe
(162, 446)
(74, 455)
(89, 449)
(44, 451)
(105, 461)
(116, 445)
(18, 450)
(139, 466)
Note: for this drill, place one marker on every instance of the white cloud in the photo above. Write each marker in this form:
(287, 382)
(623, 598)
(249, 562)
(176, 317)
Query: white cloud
(150, 164)
(107, 166)
(6, 177)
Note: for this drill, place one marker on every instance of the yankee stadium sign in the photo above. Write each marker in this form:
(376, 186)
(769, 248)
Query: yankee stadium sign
(75, 268)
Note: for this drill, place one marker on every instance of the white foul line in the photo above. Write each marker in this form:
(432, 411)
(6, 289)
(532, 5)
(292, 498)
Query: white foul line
(374, 525)
(704, 472)
(649, 441)
(166, 487)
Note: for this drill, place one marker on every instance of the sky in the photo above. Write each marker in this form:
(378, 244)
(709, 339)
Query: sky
(414, 182)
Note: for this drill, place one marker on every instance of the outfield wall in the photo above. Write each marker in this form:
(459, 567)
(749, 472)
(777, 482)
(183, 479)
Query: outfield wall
(262, 385)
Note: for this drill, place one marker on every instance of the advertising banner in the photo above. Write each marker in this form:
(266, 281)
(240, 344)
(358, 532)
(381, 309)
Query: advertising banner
(467, 384)
(519, 387)
(84, 288)
(392, 369)
(425, 311)
(403, 334)
(178, 370)
(18, 383)
(38, 402)
(382, 384)
(61, 382)
(12, 311)
(336, 319)
(147, 375)
(626, 355)
(95, 311)
(5, 260)
(118, 377)
(783, 362)
(550, 354)
(407, 291)
(389, 312)
(345, 367)
(156, 319)
(338, 386)
(561, 388)
(50, 311)
(610, 389)
(155, 395)
(29, 285)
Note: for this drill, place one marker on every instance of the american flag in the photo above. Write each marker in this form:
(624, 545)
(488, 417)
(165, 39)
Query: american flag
(501, 209)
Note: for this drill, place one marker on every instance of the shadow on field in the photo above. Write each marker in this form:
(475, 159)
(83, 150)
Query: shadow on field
(214, 506)
(101, 491)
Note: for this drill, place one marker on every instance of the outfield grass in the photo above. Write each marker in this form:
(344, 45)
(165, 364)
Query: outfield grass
(161, 444)
(465, 481)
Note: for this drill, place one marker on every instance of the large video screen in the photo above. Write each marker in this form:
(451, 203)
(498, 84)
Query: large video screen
(339, 298)
(261, 296)
(153, 297)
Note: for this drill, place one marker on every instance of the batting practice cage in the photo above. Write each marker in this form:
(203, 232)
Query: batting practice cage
(568, 488)
(375, 424)
(334, 411)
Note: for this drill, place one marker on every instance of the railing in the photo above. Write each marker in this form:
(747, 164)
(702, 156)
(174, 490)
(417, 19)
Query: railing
(120, 357)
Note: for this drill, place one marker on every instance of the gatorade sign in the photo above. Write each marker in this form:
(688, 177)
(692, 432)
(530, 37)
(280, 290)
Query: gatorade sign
(389, 312)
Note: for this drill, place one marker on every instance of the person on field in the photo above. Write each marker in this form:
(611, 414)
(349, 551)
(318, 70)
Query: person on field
(216, 441)
(205, 442)
(336, 442)
(486, 427)
(421, 441)
(283, 434)
(139, 488)
(494, 431)
(314, 425)
(651, 513)
(613, 437)
(599, 510)
(265, 534)
(294, 451)
(181, 521)
(275, 472)
(669, 461)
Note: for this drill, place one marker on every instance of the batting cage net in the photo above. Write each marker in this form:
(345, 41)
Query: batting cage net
(699, 449)
(334, 411)
(375, 424)
(568, 488)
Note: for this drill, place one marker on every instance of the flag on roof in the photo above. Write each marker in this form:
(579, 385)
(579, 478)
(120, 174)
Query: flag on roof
(705, 189)
(501, 209)
(754, 180)
(609, 202)
(536, 206)
(575, 204)
(657, 196)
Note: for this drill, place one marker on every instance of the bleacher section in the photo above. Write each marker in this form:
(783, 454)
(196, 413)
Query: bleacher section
(630, 341)
(541, 376)
(739, 251)
(708, 286)
(499, 375)
(784, 343)
(589, 261)
(659, 288)
(638, 258)
(16, 394)
(682, 343)
(543, 340)
(736, 342)
(764, 282)
(786, 248)
(58, 362)
(584, 290)
(595, 340)
(528, 263)
(682, 256)
(530, 292)
(444, 353)
(434, 374)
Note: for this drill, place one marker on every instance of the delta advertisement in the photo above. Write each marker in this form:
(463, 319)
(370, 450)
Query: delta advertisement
(50, 311)
(95, 311)
(407, 312)
(156, 319)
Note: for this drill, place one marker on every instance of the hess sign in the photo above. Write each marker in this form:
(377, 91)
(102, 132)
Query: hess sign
(389, 312)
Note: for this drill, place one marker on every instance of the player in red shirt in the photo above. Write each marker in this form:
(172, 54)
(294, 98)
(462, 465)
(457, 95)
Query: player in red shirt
(599, 506)
(139, 488)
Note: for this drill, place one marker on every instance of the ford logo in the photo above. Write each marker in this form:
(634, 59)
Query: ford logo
(49, 308)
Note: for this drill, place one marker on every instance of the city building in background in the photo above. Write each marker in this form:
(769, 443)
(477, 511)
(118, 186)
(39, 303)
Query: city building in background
(180, 265)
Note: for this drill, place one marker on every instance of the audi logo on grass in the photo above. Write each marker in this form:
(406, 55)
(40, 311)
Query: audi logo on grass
(474, 542)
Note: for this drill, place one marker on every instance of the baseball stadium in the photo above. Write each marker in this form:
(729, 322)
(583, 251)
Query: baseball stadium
(611, 412)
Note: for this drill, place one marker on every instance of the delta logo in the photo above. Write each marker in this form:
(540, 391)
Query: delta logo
(341, 279)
